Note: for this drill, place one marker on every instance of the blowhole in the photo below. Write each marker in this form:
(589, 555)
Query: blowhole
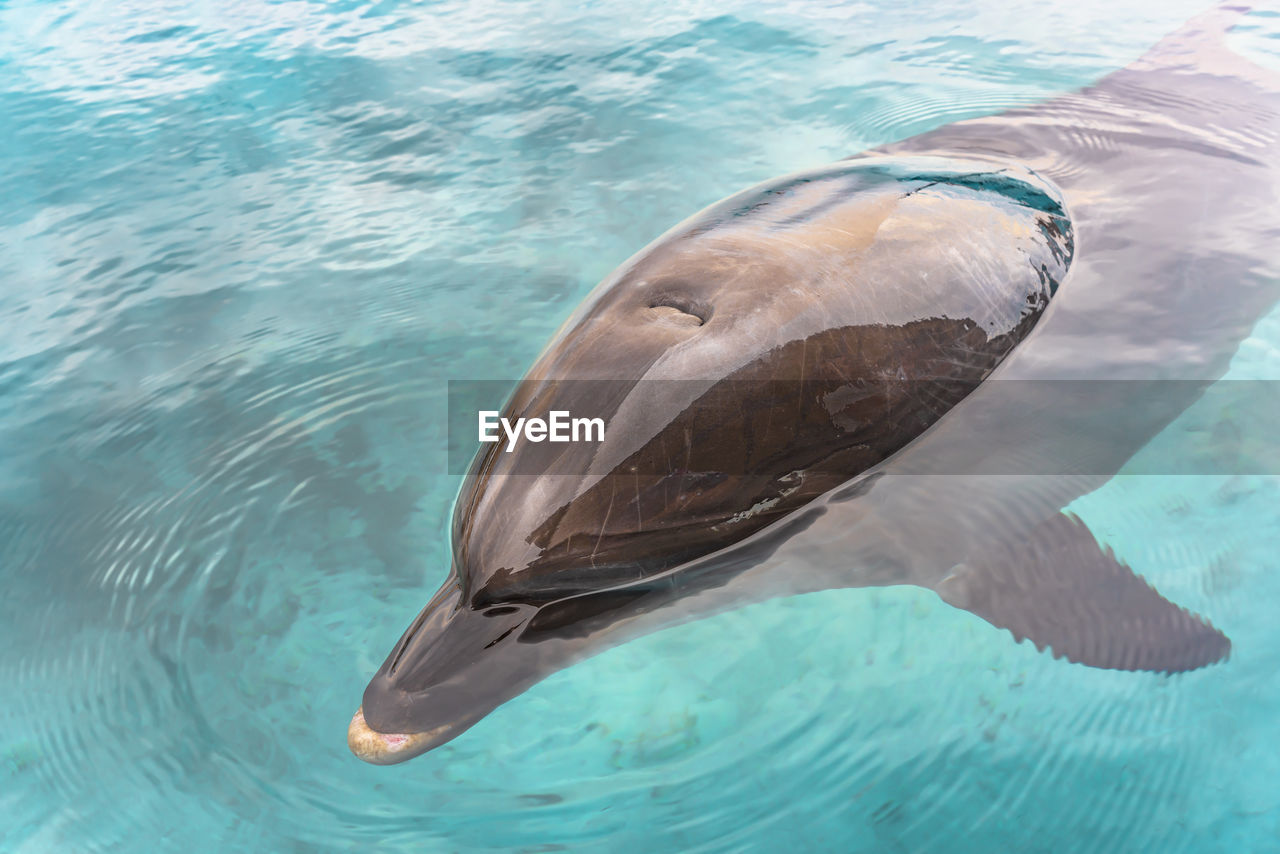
(678, 311)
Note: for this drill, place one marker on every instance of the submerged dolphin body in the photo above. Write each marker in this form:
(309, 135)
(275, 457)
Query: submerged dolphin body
(854, 376)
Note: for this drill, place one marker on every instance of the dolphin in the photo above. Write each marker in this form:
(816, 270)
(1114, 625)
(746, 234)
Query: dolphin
(896, 369)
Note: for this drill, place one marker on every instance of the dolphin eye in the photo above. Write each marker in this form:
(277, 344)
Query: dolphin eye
(679, 311)
(499, 610)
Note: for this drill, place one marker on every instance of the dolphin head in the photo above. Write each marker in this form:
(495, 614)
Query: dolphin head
(753, 358)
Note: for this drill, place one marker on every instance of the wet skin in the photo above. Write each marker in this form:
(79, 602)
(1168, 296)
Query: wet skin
(771, 369)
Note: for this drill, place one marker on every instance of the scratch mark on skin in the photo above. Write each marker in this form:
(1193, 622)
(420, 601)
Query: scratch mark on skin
(604, 523)
(635, 481)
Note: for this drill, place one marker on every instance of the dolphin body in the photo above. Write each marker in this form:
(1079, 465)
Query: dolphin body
(897, 369)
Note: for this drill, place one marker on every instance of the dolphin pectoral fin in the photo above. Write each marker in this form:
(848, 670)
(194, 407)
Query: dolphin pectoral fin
(1060, 589)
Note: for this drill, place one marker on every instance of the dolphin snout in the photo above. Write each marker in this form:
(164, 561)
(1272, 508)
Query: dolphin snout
(453, 666)
(386, 748)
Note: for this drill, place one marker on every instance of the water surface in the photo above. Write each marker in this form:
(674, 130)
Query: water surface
(246, 245)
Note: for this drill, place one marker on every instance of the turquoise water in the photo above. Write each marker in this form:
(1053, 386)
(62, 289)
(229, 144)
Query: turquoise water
(245, 246)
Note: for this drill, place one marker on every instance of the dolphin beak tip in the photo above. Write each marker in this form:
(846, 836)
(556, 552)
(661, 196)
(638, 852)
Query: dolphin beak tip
(378, 748)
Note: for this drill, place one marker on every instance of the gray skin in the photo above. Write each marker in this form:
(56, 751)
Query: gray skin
(854, 377)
